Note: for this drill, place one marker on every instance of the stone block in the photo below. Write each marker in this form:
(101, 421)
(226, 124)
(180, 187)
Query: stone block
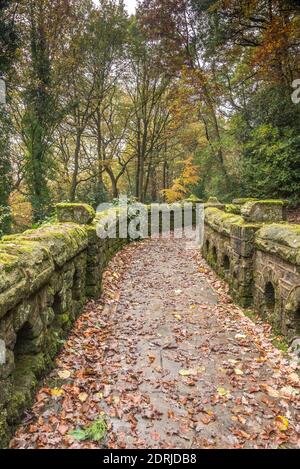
(7, 332)
(7, 368)
(21, 313)
(220, 221)
(214, 202)
(282, 240)
(264, 211)
(82, 214)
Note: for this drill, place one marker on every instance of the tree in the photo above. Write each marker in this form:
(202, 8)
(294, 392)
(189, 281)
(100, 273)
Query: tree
(106, 36)
(181, 186)
(8, 45)
(231, 55)
(147, 86)
(44, 21)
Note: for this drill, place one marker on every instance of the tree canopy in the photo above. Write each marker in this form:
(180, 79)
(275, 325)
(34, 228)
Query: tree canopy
(185, 96)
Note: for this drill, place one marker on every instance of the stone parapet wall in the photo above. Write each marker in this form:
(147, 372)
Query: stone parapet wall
(277, 276)
(228, 247)
(258, 258)
(45, 277)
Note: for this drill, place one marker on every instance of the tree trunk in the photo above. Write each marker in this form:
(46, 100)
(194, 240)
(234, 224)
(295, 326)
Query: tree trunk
(153, 185)
(76, 167)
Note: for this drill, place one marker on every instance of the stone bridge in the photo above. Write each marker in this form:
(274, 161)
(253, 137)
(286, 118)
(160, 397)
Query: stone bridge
(47, 274)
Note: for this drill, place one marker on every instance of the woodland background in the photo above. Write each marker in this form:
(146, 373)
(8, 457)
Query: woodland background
(186, 97)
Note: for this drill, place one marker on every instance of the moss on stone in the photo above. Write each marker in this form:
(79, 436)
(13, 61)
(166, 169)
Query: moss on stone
(213, 200)
(87, 207)
(7, 260)
(220, 220)
(193, 198)
(31, 363)
(43, 272)
(231, 208)
(4, 429)
(77, 213)
(271, 201)
(264, 211)
(62, 319)
(243, 200)
(282, 240)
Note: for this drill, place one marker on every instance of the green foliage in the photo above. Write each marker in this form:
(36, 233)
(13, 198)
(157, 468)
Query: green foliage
(94, 432)
(5, 220)
(92, 194)
(8, 35)
(212, 181)
(280, 343)
(36, 131)
(8, 44)
(5, 173)
(121, 202)
(271, 163)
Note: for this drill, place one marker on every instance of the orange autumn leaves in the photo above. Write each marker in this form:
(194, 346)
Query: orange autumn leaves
(181, 185)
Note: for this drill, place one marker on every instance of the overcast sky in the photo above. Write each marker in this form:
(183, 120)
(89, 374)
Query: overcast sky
(131, 4)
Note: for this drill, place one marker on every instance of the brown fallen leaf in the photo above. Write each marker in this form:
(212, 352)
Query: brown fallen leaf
(206, 419)
(151, 358)
(63, 429)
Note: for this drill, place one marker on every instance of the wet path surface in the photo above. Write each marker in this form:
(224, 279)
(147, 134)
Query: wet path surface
(169, 362)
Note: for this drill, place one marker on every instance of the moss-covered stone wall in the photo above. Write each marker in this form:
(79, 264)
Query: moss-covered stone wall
(277, 276)
(228, 247)
(45, 277)
(258, 258)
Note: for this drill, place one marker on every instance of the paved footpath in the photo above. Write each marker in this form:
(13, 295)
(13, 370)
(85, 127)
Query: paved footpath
(168, 361)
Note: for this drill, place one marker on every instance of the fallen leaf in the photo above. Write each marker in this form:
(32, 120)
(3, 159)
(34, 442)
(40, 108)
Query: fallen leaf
(282, 423)
(155, 436)
(64, 374)
(271, 391)
(178, 316)
(289, 391)
(206, 419)
(55, 392)
(192, 371)
(240, 336)
(83, 396)
(62, 429)
(294, 378)
(223, 392)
